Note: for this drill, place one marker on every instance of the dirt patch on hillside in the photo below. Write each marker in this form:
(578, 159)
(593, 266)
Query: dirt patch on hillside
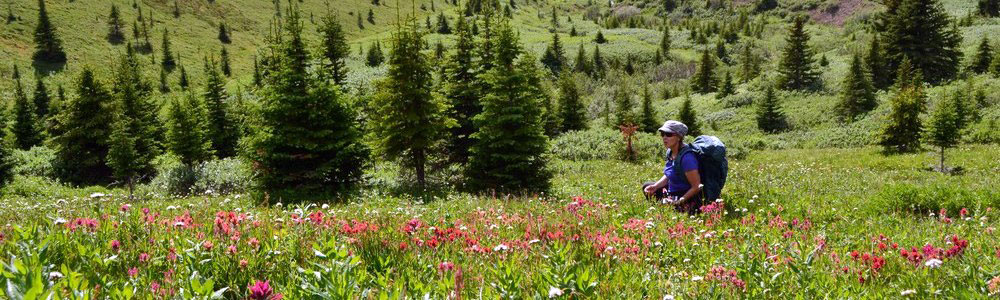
(838, 12)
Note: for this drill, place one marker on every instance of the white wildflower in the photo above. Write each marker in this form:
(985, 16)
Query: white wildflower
(533, 241)
(326, 206)
(933, 263)
(907, 292)
(179, 224)
(55, 276)
(171, 207)
(60, 221)
(668, 297)
(554, 292)
(697, 278)
(650, 224)
(500, 247)
(97, 195)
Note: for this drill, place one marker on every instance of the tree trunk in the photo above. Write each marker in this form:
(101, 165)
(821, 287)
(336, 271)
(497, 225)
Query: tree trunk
(942, 160)
(419, 157)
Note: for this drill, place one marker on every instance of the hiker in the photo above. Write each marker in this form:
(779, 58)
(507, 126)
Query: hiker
(678, 186)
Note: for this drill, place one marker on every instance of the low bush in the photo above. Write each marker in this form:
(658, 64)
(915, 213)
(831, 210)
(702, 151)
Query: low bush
(220, 176)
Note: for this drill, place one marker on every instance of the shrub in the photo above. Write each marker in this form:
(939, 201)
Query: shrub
(219, 176)
(604, 143)
(37, 161)
(926, 199)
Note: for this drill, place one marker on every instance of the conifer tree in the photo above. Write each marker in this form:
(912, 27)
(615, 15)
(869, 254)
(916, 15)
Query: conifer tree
(550, 115)
(572, 114)
(258, 78)
(167, 61)
(923, 32)
(796, 66)
(665, 41)
(183, 81)
(375, 56)
(749, 64)
(648, 121)
(187, 135)
(573, 32)
(220, 128)
(555, 57)
(877, 66)
(727, 88)
(555, 18)
(688, 116)
(299, 151)
(115, 25)
(6, 165)
(857, 95)
(984, 56)
(600, 37)
(582, 62)
(224, 62)
(409, 117)
(26, 126)
(224, 34)
(442, 24)
(334, 48)
(177, 10)
(720, 51)
(902, 133)
(41, 99)
(462, 89)
(989, 8)
(371, 16)
(945, 129)
(140, 136)
(704, 80)
(599, 68)
(84, 127)
(624, 107)
(509, 150)
(770, 117)
(48, 46)
(361, 23)
(123, 154)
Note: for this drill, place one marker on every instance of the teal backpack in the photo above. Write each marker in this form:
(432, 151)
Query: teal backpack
(712, 164)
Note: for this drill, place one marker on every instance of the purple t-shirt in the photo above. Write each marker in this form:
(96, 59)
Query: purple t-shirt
(679, 182)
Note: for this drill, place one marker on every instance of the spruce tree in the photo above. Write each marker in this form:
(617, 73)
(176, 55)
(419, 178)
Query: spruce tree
(177, 10)
(167, 56)
(41, 99)
(555, 57)
(409, 117)
(224, 62)
(727, 88)
(945, 129)
(296, 151)
(462, 89)
(796, 66)
(371, 16)
(984, 56)
(988, 8)
(442, 24)
(600, 37)
(139, 134)
(26, 126)
(375, 56)
(220, 128)
(48, 46)
(224, 34)
(857, 95)
(509, 150)
(115, 25)
(770, 117)
(573, 32)
(648, 121)
(84, 127)
(665, 41)
(877, 66)
(720, 51)
(187, 135)
(6, 164)
(902, 133)
(624, 114)
(550, 116)
(183, 80)
(599, 68)
(334, 48)
(704, 80)
(124, 158)
(582, 63)
(361, 23)
(688, 116)
(572, 114)
(923, 32)
(749, 64)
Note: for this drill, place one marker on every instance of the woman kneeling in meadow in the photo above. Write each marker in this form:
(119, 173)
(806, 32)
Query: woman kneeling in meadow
(681, 182)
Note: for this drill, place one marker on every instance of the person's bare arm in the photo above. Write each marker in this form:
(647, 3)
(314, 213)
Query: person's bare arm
(695, 180)
(658, 185)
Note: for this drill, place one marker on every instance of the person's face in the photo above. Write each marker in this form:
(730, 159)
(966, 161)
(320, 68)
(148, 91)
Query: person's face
(670, 139)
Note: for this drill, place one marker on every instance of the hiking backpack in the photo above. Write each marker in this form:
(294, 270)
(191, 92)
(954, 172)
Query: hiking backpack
(712, 164)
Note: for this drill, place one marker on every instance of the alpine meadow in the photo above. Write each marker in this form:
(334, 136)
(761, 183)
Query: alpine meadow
(499, 149)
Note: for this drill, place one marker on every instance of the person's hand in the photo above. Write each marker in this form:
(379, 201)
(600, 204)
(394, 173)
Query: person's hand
(651, 189)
